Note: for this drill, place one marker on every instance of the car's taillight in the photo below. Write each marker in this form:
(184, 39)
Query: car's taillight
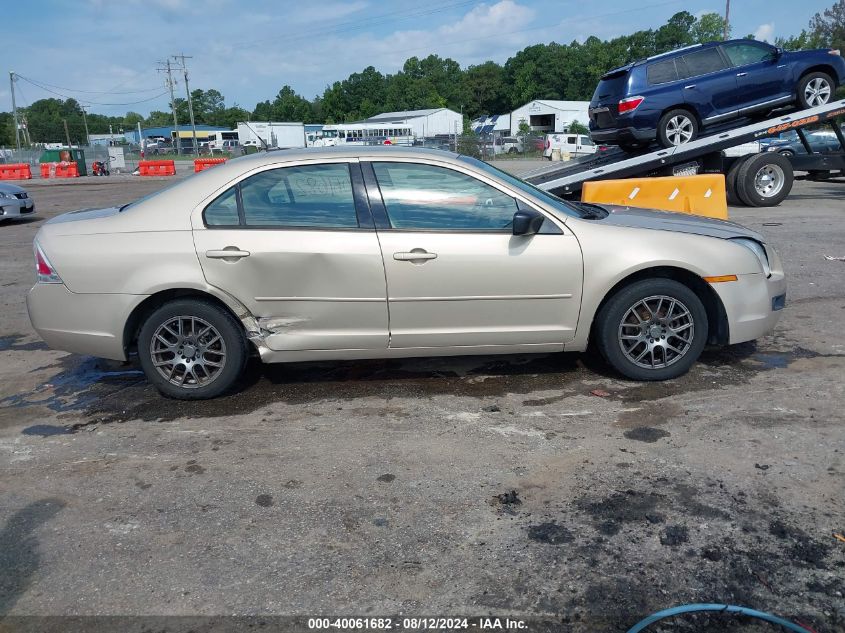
(834, 51)
(44, 270)
(547, 144)
(630, 104)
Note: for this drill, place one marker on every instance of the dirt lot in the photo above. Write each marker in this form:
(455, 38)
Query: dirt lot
(484, 485)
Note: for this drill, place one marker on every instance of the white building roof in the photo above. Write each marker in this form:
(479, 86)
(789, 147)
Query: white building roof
(558, 105)
(408, 114)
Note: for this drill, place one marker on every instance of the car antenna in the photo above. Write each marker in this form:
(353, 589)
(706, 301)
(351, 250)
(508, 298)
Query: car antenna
(263, 142)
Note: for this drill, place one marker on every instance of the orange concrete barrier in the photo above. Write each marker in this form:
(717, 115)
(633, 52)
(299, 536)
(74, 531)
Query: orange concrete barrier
(65, 170)
(699, 195)
(157, 168)
(48, 170)
(201, 164)
(15, 171)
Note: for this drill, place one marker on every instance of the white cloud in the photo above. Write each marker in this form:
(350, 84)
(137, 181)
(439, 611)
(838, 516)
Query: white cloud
(765, 32)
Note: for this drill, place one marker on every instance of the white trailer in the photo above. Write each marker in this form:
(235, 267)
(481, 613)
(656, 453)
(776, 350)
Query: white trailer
(271, 134)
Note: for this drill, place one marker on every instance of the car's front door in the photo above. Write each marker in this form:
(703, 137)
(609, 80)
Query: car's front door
(709, 85)
(760, 77)
(456, 274)
(297, 246)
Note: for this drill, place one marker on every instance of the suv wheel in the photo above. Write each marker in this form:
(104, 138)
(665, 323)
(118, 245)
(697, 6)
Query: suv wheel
(192, 350)
(677, 127)
(814, 90)
(654, 329)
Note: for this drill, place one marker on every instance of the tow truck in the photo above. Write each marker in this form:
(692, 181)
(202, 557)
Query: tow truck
(761, 179)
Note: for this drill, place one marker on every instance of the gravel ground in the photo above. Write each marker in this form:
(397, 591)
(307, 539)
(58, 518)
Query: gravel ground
(531, 486)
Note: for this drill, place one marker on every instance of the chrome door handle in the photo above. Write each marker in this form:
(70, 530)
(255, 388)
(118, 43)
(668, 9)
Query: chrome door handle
(690, 87)
(741, 74)
(230, 252)
(417, 254)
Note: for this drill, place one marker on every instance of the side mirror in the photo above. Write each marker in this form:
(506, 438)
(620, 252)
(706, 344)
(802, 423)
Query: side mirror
(778, 52)
(527, 222)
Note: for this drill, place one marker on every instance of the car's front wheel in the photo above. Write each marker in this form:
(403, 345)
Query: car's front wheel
(192, 349)
(654, 329)
(815, 89)
(677, 127)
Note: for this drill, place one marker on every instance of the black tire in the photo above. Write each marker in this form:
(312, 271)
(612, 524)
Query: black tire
(819, 79)
(234, 347)
(609, 321)
(684, 121)
(780, 175)
(730, 182)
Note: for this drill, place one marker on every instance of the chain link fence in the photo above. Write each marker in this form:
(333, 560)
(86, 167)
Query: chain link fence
(100, 153)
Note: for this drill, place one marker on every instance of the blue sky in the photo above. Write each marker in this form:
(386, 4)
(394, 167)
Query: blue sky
(248, 49)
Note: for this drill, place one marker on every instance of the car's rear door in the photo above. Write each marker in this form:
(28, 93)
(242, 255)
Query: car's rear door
(761, 78)
(456, 274)
(708, 84)
(297, 246)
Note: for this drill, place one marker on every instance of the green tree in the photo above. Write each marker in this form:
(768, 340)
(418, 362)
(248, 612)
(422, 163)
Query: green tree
(578, 128)
(708, 27)
(7, 129)
(828, 27)
(45, 121)
(677, 32)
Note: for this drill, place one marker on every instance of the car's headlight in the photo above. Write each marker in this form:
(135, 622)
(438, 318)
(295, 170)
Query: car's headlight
(5, 195)
(757, 248)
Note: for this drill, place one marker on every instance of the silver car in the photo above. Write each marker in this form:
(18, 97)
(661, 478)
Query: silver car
(374, 252)
(14, 202)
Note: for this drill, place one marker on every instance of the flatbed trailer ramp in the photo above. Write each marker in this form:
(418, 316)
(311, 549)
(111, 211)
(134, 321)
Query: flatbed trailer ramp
(705, 156)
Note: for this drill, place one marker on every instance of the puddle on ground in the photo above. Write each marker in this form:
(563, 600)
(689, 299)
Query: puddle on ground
(108, 391)
(46, 430)
(12, 342)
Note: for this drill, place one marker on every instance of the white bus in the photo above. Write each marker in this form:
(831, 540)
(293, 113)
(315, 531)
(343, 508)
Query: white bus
(366, 134)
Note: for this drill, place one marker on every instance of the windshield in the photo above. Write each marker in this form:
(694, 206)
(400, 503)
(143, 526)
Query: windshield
(558, 204)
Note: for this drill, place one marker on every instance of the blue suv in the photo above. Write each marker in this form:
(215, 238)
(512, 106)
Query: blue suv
(671, 97)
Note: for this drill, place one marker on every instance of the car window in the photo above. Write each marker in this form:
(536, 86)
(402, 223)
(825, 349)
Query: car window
(224, 210)
(586, 140)
(662, 72)
(570, 140)
(305, 196)
(427, 197)
(702, 62)
(744, 53)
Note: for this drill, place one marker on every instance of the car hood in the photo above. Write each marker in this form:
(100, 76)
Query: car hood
(673, 221)
(8, 188)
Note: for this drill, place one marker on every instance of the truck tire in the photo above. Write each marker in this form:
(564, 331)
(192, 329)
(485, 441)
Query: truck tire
(731, 182)
(764, 180)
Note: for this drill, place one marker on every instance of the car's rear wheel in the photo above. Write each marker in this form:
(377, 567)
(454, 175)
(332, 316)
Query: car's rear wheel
(192, 349)
(677, 127)
(765, 180)
(815, 89)
(654, 329)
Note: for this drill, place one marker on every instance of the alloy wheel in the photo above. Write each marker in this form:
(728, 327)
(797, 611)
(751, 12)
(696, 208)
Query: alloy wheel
(679, 130)
(817, 92)
(188, 351)
(656, 332)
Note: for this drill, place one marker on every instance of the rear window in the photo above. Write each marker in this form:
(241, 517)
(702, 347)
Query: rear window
(702, 62)
(662, 72)
(612, 85)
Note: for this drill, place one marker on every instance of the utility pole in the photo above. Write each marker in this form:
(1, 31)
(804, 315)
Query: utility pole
(183, 57)
(15, 112)
(727, 19)
(67, 136)
(165, 67)
(85, 121)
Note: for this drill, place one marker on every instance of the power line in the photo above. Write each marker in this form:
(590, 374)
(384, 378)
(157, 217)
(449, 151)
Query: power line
(355, 25)
(99, 92)
(89, 101)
